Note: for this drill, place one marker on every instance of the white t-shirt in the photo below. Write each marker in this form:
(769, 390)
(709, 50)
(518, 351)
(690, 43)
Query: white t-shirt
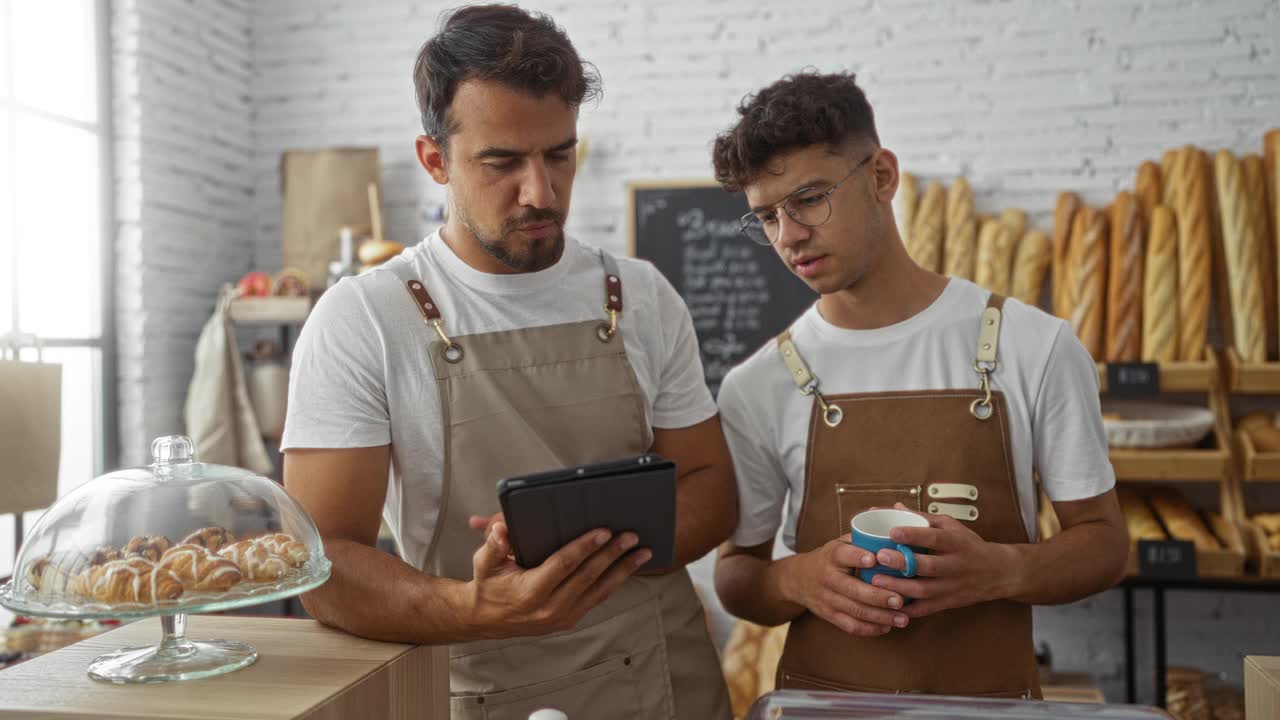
(362, 373)
(1049, 381)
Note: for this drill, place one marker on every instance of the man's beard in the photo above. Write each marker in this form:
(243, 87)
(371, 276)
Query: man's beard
(522, 257)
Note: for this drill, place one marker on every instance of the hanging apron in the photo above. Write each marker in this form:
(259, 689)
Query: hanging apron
(535, 399)
(945, 452)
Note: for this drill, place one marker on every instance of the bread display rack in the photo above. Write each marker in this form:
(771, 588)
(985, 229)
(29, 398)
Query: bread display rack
(170, 539)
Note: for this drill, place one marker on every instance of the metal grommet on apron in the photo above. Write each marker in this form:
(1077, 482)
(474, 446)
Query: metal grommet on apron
(452, 352)
(612, 298)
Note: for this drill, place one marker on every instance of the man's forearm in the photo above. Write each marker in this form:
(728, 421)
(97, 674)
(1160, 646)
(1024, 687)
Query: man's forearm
(378, 596)
(706, 511)
(1081, 561)
(753, 589)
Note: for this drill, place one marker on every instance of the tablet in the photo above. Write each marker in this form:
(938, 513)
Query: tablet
(546, 511)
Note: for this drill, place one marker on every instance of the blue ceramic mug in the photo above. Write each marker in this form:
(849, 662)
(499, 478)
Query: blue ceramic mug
(870, 531)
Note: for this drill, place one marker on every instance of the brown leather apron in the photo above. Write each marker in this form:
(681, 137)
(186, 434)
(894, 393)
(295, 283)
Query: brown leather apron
(534, 399)
(945, 452)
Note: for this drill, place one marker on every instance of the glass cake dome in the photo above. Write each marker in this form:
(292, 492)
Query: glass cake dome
(172, 538)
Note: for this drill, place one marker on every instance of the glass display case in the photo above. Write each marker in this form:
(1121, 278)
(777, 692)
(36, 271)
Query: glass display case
(172, 538)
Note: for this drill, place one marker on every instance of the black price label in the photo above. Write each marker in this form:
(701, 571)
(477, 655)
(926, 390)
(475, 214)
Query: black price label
(1133, 379)
(1167, 559)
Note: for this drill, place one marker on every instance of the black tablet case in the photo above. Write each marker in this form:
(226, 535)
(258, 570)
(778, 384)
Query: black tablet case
(545, 511)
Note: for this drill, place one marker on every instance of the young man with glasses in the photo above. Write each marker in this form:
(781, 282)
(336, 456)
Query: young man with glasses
(898, 388)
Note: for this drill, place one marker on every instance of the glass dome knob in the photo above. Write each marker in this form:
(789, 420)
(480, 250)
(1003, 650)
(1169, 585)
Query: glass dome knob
(173, 450)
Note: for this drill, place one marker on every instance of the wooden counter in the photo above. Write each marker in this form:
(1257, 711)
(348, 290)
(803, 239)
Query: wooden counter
(304, 670)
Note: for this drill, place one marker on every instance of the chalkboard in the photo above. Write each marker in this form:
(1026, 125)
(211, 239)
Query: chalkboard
(740, 294)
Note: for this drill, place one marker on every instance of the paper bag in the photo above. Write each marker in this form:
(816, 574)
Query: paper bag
(30, 434)
(324, 190)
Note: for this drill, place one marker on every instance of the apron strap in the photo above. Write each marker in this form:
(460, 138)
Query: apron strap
(804, 378)
(612, 297)
(452, 351)
(985, 362)
(989, 331)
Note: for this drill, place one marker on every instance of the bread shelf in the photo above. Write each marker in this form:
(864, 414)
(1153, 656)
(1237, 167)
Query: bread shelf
(1175, 464)
(270, 310)
(1264, 560)
(1251, 378)
(1255, 465)
(1177, 377)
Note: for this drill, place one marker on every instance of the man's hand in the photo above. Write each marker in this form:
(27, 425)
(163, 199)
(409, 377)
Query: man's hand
(962, 569)
(481, 524)
(823, 581)
(509, 601)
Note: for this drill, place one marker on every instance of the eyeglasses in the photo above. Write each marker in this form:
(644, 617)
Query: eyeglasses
(808, 206)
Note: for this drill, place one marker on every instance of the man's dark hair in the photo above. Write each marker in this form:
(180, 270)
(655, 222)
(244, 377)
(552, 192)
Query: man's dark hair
(797, 111)
(523, 50)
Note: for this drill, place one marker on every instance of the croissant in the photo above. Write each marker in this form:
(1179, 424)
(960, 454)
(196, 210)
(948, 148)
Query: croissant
(199, 569)
(150, 547)
(133, 580)
(213, 538)
(61, 573)
(294, 552)
(255, 561)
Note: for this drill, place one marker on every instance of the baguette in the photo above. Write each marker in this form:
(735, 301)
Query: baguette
(1255, 186)
(1262, 431)
(960, 251)
(1160, 289)
(1016, 221)
(1169, 176)
(927, 230)
(995, 258)
(1124, 283)
(1142, 523)
(1147, 188)
(908, 203)
(1030, 263)
(1192, 208)
(1183, 521)
(1270, 522)
(1244, 272)
(1063, 216)
(1089, 280)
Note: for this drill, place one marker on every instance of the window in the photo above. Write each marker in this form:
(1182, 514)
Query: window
(55, 257)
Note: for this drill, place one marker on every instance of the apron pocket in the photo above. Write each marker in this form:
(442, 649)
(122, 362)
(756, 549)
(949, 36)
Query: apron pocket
(853, 499)
(607, 690)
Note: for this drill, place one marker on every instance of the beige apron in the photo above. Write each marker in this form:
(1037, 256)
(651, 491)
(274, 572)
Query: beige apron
(535, 399)
(946, 452)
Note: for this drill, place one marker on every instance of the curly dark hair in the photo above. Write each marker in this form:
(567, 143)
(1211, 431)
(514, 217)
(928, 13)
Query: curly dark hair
(808, 108)
(523, 50)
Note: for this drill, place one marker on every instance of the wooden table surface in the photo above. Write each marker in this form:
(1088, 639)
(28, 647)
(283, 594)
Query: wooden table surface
(303, 670)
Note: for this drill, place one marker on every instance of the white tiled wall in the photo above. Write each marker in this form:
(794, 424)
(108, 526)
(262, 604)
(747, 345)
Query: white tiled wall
(1025, 97)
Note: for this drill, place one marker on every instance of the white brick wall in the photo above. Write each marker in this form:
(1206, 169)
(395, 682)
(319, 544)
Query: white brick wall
(183, 144)
(1025, 97)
